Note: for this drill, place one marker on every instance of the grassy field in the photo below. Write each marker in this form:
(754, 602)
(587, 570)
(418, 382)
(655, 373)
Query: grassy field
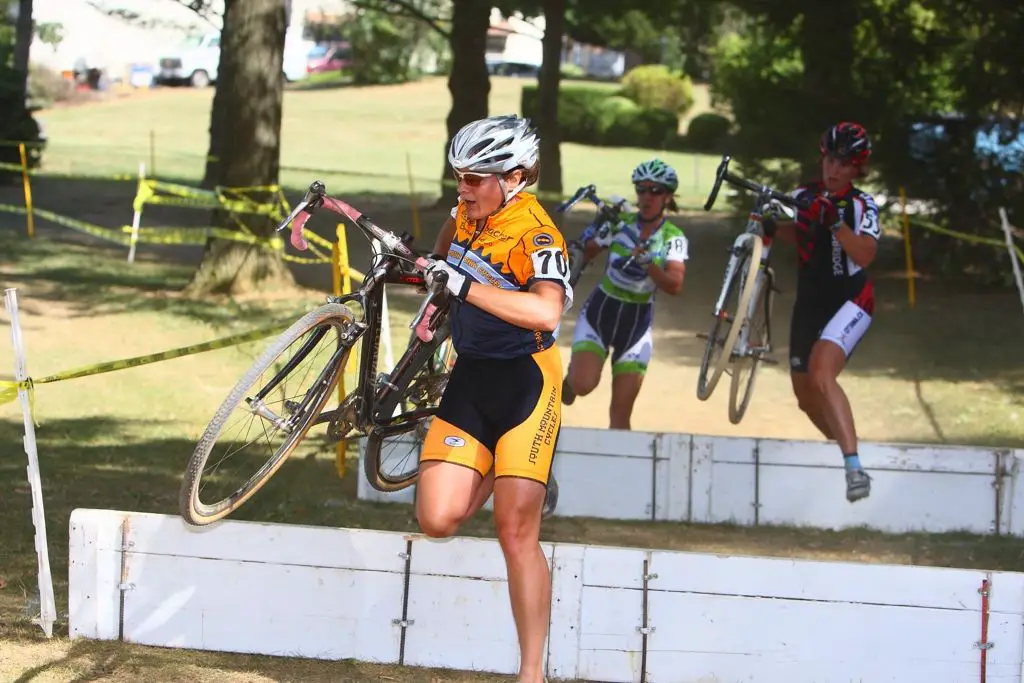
(947, 371)
(355, 139)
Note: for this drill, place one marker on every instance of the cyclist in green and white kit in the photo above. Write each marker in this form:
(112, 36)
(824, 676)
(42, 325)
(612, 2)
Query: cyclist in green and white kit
(646, 253)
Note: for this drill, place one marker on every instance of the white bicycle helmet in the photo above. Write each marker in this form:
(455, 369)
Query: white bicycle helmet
(497, 144)
(656, 171)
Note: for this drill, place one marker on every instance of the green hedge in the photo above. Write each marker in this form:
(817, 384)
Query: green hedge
(601, 116)
(707, 132)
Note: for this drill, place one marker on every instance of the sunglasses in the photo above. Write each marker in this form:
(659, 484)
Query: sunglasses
(472, 179)
(656, 190)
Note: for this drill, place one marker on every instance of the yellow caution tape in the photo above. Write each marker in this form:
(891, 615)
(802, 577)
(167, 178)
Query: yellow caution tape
(975, 239)
(81, 226)
(177, 236)
(9, 390)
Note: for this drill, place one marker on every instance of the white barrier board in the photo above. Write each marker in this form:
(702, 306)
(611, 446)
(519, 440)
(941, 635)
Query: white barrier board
(325, 593)
(710, 479)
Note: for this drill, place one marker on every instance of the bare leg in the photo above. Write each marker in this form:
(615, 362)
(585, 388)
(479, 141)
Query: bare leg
(583, 376)
(517, 513)
(827, 361)
(447, 495)
(811, 402)
(625, 389)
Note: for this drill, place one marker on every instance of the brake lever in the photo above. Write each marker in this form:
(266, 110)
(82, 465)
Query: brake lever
(421, 322)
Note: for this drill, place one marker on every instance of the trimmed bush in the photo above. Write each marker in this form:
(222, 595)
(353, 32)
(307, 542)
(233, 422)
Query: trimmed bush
(707, 132)
(654, 86)
(599, 116)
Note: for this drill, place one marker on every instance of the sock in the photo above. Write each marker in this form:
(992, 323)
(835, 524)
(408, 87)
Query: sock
(852, 461)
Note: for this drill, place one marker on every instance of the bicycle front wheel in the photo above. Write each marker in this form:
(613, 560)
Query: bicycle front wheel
(744, 370)
(718, 352)
(266, 414)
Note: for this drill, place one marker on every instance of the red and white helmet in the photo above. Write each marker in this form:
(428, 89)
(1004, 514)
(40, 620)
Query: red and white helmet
(848, 141)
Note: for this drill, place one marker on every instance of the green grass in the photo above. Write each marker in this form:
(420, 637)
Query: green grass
(355, 138)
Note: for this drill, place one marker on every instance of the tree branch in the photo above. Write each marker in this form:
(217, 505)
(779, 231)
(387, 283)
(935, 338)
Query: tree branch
(200, 8)
(403, 8)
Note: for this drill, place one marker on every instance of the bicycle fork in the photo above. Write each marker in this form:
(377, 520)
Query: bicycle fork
(741, 349)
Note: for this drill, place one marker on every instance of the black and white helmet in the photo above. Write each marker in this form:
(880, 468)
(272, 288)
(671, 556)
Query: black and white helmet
(497, 144)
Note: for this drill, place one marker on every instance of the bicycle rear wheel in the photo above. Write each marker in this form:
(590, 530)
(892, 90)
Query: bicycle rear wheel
(759, 337)
(282, 393)
(741, 284)
(391, 458)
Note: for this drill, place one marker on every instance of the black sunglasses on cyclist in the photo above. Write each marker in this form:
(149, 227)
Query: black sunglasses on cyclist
(656, 190)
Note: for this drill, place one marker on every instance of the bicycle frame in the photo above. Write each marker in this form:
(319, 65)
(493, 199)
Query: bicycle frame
(375, 400)
(739, 245)
(605, 212)
(763, 195)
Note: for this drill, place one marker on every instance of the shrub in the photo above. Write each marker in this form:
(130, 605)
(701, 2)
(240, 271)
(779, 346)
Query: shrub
(597, 116)
(707, 132)
(635, 126)
(382, 48)
(570, 70)
(655, 87)
(577, 110)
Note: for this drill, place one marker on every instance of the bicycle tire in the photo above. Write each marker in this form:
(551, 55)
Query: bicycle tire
(372, 463)
(190, 507)
(737, 409)
(751, 262)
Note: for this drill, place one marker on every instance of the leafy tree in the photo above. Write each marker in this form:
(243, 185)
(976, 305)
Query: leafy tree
(16, 120)
(890, 64)
(677, 33)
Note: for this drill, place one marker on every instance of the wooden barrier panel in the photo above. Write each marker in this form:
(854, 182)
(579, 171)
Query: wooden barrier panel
(711, 479)
(618, 614)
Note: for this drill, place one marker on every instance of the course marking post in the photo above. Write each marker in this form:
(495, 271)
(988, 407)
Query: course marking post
(47, 605)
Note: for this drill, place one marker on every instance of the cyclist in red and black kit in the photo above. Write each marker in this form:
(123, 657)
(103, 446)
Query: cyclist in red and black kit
(836, 239)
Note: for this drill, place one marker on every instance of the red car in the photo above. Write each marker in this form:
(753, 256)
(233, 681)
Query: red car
(329, 57)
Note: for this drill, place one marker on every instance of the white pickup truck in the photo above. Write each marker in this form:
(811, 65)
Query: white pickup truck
(195, 60)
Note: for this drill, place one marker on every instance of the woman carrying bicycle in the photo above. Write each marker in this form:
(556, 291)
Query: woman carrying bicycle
(836, 239)
(499, 418)
(646, 253)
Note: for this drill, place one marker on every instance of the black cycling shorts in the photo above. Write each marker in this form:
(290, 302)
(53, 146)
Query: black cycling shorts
(841, 322)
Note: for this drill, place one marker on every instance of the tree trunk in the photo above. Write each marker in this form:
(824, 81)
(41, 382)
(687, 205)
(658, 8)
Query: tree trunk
(826, 41)
(468, 82)
(217, 108)
(23, 42)
(547, 107)
(250, 86)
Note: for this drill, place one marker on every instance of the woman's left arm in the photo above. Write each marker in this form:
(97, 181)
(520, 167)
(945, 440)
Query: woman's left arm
(539, 308)
(860, 247)
(669, 278)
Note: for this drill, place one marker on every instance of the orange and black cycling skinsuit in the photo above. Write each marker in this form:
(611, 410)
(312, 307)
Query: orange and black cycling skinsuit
(502, 404)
